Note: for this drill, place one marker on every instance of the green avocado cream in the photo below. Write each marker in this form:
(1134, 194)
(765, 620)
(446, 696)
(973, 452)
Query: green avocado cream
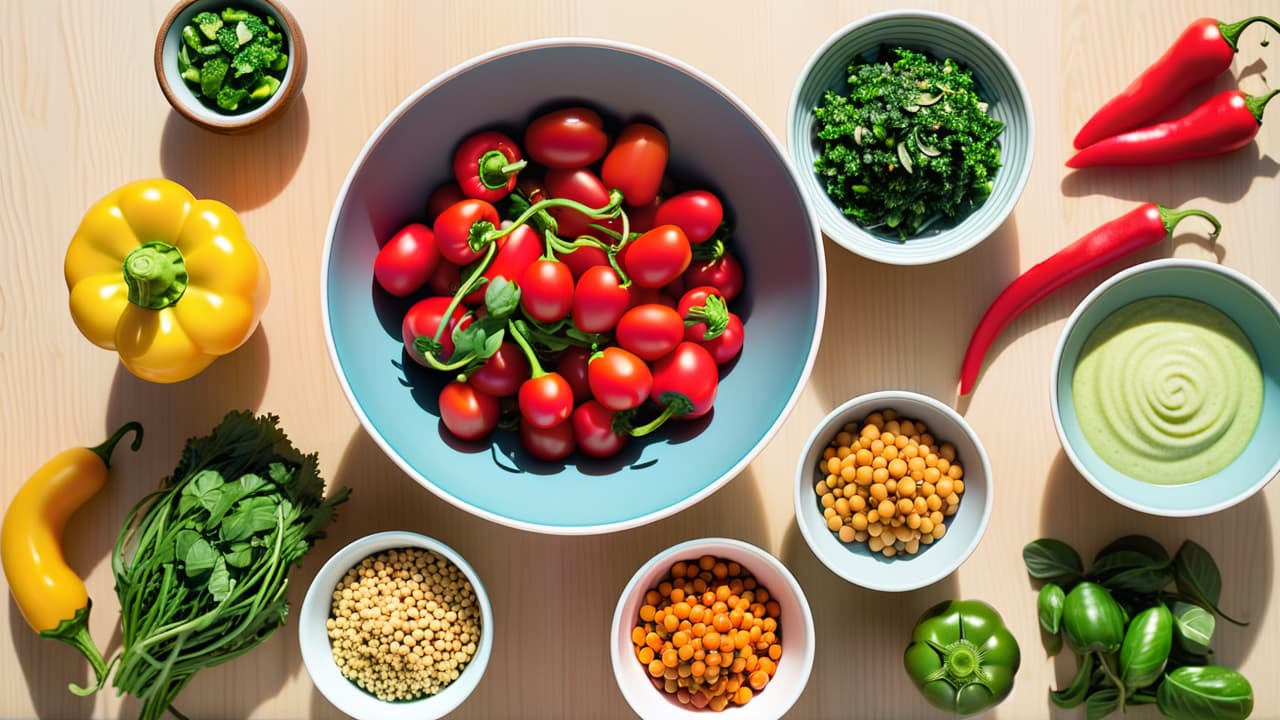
(1167, 390)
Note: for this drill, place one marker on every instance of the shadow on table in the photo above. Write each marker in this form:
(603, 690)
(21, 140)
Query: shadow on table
(1222, 178)
(47, 667)
(244, 171)
(860, 626)
(553, 589)
(919, 347)
(1239, 538)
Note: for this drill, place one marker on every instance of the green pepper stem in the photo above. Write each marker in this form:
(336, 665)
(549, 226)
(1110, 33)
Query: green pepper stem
(1257, 104)
(535, 367)
(156, 275)
(1112, 677)
(109, 445)
(714, 313)
(1171, 218)
(1231, 32)
(75, 632)
(674, 404)
(496, 169)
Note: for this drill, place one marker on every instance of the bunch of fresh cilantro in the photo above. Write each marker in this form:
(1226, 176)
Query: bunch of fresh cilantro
(201, 565)
(909, 144)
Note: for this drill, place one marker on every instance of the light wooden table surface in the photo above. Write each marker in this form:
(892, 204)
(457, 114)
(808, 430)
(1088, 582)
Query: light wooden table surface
(81, 114)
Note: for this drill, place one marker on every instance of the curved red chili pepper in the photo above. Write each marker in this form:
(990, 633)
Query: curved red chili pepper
(486, 164)
(1145, 225)
(1225, 122)
(1202, 52)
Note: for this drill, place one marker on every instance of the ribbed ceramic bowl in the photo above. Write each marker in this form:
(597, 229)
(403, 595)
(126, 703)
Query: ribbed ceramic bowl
(998, 84)
(855, 562)
(717, 143)
(317, 654)
(1237, 296)
(795, 633)
(184, 99)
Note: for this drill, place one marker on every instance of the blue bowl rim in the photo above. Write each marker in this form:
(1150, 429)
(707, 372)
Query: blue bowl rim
(802, 489)
(1020, 182)
(587, 42)
(1154, 265)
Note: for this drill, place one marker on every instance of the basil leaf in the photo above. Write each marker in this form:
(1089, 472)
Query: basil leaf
(1193, 627)
(1205, 693)
(251, 516)
(182, 543)
(1053, 560)
(1133, 543)
(1075, 693)
(1197, 577)
(1102, 703)
(1049, 607)
(1133, 572)
(199, 558)
(240, 554)
(502, 298)
(203, 490)
(220, 581)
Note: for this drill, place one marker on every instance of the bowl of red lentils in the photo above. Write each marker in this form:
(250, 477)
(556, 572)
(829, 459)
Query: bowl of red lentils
(396, 625)
(893, 491)
(712, 625)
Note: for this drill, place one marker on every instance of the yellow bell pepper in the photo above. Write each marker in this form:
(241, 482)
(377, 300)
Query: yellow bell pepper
(168, 281)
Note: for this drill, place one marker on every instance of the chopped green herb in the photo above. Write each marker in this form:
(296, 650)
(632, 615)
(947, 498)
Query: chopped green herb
(240, 41)
(910, 143)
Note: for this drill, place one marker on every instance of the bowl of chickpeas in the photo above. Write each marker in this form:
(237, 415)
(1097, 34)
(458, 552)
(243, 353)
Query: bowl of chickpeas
(710, 625)
(893, 491)
(396, 625)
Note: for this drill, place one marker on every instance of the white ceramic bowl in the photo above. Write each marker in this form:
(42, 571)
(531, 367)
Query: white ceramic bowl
(998, 84)
(854, 561)
(318, 657)
(1252, 308)
(795, 633)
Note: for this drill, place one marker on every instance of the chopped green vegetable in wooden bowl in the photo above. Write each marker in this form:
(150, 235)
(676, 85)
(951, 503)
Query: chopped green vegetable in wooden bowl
(233, 60)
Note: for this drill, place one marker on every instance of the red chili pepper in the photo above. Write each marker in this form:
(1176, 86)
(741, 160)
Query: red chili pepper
(1145, 225)
(1202, 52)
(1225, 122)
(485, 166)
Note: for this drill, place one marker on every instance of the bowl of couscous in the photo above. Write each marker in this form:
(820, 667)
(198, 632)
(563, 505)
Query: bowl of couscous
(396, 625)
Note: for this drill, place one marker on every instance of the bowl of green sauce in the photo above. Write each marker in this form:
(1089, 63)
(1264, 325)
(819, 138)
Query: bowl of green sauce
(1165, 387)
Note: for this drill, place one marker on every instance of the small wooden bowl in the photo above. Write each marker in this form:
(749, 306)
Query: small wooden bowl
(186, 102)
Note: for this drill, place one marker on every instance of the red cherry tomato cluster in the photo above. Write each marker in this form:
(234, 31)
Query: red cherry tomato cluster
(565, 290)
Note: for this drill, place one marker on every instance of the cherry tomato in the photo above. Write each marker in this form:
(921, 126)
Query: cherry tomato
(593, 430)
(530, 186)
(405, 263)
(446, 279)
(643, 217)
(724, 274)
(502, 374)
(580, 185)
(636, 163)
(468, 413)
(619, 380)
(546, 290)
(422, 319)
(572, 366)
(516, 252)
(569, 138)
(650, 331)
(657, 257)
(583, 259)
(453, 228)
(443, 196)
(697, 297)
(486, 165)
(598, 300)
(726, 346)
(697, 212)
(545, 401)
(548, 444)
(691, 371)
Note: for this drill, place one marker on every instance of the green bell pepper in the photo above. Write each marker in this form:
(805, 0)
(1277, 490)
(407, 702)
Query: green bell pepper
(961, 657)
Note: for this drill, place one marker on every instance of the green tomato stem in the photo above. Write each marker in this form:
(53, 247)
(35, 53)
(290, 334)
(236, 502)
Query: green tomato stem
(535, 367)
(1111, 677)
(612, 209)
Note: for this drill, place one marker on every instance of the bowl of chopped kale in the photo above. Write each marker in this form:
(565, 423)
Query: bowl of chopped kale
(913, 136)
(230, 65)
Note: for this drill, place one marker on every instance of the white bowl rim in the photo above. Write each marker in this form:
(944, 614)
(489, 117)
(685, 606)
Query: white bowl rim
(1020, 182)
(1088, 301)
(788, 167)
(885, 398)
(355, 551)
(699, 546)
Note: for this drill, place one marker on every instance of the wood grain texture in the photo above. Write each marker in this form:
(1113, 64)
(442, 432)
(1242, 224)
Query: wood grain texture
(82, 114)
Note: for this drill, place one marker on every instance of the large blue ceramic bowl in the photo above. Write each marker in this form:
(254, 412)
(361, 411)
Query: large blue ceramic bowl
(717, 143)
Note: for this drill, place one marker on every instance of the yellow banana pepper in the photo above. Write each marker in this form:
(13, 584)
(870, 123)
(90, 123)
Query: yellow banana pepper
(46, 590)
(168, 281)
